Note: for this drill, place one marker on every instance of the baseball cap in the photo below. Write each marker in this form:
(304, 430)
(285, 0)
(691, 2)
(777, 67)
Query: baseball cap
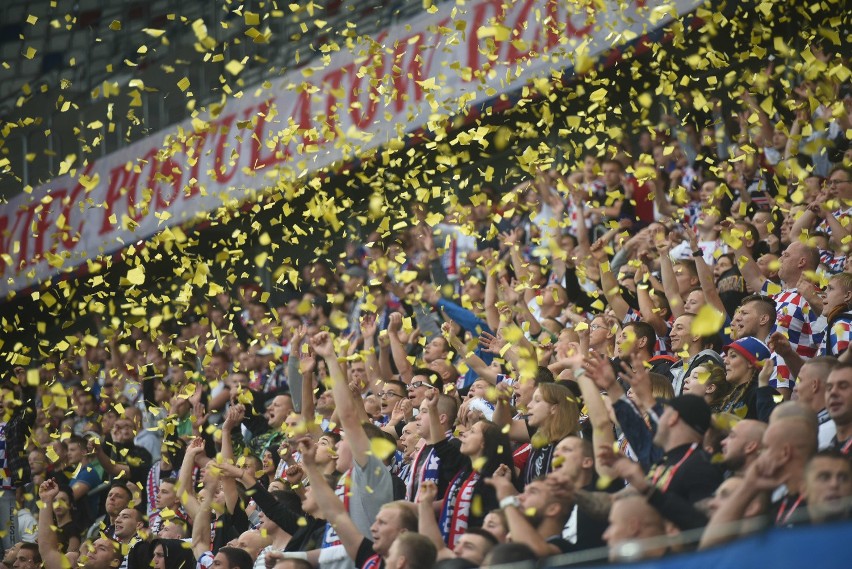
(751, 349)
(693, 410)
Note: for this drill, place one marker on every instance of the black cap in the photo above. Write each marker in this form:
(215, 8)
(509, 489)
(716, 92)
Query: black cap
(693, 410)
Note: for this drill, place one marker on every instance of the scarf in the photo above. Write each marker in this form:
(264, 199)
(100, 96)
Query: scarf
(372, 562)
(539, 463)
(455, 510)
(343, 491)
(153, 486)
(428, 469)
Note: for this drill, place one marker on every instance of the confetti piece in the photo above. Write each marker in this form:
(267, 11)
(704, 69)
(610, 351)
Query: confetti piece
(382, 448)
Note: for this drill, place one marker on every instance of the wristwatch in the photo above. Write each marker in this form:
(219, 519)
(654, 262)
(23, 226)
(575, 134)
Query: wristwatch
(510, 501)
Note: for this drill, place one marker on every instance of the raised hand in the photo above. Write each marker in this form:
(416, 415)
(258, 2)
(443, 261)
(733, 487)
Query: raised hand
(294, 474)
(308, 450)
(368, 326)
(395, 323)
(501, 481)
(780, 344)
(48, 491)
(491, 343)
(427, 493)
(195, 447)
(307, 362)
(322, 345)
(299, 333)
(600, 371)
(401, 411)
(234, 416)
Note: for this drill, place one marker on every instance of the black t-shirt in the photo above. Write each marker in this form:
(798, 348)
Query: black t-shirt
(789, 511)
(563, 544)
(367, 558)
(540, 461)
(588, 530)
(688, 472)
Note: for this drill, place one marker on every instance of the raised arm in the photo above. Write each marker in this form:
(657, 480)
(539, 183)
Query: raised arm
(664, 206)
(400, 357)
(612, 292)
(705, 274)
(474, 362)
(201, 537)
(646, 305)
(602, 428)
(520, 528)
(48, 542)
(492, 316)
(233, 419)
(749, 269)
(185, 488)
(427, 524)
(368, 334)
(114, 469)
(668, 275)
(329, 504)
(344, 400)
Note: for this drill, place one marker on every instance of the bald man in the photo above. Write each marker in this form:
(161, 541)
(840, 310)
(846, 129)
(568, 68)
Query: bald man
(632, 518)
(788, 444)
(742, 445)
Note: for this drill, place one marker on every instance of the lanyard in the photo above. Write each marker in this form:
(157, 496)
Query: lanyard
(845, 448)
(778, 520)
(670, 472)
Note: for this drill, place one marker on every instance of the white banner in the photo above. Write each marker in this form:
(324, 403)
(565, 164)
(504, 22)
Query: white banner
(436, 63)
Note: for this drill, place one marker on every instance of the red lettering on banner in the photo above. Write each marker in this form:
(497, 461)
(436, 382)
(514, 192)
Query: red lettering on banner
(373, 69)
(23, 223)
(302, 114)
(480, 20)
(136, 207)
(400, 73)
(572, 31)
(8, 237)
(162, 172)
(445, 23)
(118, 181)
(331, 82)
(551, 18)
(220, 172)
(516, 54)
(198, 140)
(275, 155)
(43, 219)
(68, 240)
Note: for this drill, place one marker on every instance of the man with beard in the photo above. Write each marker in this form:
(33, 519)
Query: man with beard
(106, 553)
(537, 516)
(742, 445)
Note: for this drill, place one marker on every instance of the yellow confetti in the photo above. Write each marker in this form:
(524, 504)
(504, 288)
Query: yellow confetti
(136, 276)
(382, 448)
(707, 322)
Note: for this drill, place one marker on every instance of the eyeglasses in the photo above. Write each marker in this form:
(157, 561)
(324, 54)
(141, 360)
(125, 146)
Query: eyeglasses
(835, 182)
(416, 384)
(387, 394)
(596, 326)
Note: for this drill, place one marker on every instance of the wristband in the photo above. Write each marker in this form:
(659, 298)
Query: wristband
(698, 253)
(505, 349)
(508, 501)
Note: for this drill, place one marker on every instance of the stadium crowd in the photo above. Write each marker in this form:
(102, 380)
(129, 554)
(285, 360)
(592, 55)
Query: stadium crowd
(652, 344)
